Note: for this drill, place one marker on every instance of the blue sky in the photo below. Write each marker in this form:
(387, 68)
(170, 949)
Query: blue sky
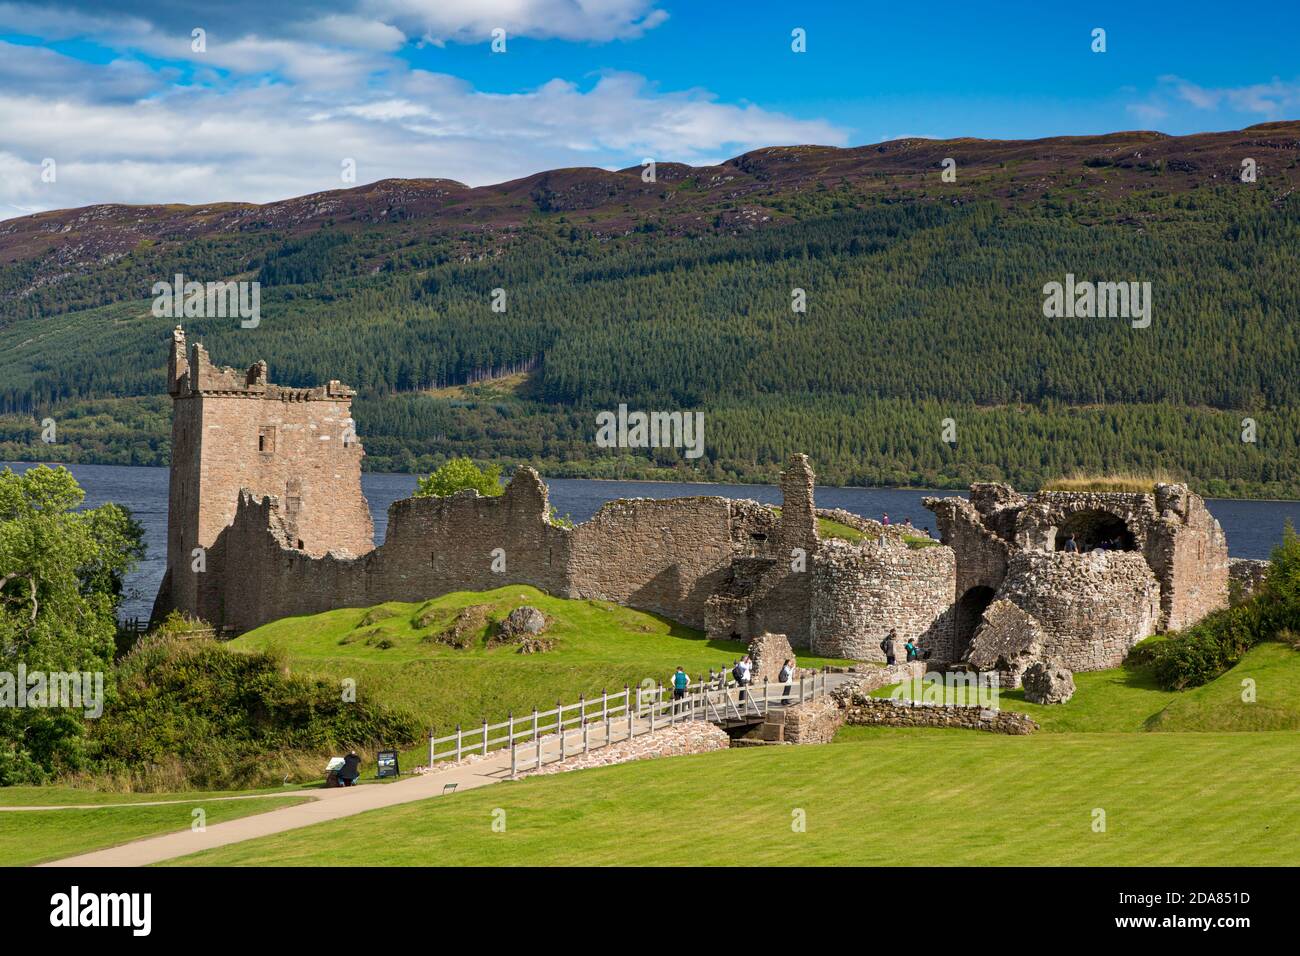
(282, 94)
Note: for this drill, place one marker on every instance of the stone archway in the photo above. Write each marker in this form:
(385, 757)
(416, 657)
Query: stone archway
(1095, 527)
(967, 614)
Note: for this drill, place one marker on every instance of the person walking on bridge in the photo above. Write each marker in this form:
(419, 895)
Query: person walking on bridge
(681, 681)
(786, 677)
(744, 674)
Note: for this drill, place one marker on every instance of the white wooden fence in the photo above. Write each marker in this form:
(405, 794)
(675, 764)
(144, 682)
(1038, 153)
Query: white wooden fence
(567, 729)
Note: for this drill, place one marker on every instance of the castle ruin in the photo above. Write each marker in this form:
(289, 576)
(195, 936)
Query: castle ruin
(267, 519)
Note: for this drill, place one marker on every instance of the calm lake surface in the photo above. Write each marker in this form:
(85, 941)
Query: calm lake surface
(1252, 527)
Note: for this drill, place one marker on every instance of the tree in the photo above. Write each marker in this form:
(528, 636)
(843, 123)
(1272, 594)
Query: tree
(460, 474)
(61, 574)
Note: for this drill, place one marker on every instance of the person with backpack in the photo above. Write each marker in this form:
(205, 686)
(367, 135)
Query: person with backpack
(888, 646)
(681, 681)
(786, 677)
(744, 668)
(910, 648)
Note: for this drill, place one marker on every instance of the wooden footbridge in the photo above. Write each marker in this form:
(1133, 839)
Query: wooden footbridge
(545, 737)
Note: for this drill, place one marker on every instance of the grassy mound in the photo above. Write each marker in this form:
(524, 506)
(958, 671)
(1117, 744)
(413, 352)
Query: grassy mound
(435, 658)
(905, 798)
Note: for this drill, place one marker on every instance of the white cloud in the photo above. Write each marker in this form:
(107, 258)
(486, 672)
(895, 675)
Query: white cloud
(474, 20)
(270, 141)
(1274, 99)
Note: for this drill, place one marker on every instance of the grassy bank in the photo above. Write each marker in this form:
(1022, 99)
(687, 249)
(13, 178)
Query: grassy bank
(394, 653)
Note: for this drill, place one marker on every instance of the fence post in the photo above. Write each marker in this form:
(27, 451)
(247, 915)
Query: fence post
(514, 760)
(582, 708)
(559, 725)
(431, 748)
(801, 688)
(485, 734)
(510, 729)
(586, 740)
(534, 724)
(604, 703)
(458, 742)
(765, 696)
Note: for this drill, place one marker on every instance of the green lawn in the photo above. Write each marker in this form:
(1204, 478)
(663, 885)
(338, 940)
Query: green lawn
(598, 645)
(35, 836)
(904, 797)
(1128, 699)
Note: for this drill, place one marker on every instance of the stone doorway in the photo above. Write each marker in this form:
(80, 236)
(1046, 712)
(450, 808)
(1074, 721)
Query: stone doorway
(967, 614)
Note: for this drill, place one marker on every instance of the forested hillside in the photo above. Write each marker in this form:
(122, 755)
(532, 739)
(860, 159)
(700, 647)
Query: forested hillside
(924, 302)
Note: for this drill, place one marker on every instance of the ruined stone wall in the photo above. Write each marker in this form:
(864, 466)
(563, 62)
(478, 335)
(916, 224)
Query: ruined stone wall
(981, 554)
(1180, 540)
(468, 542)
(1092, 607)
(255, 575)
(1246, 576)
(814, 721)
(861, 592)
(884, 712)
(662, 556)
(659, 556)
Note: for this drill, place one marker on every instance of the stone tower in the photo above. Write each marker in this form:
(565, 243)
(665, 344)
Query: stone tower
(234, 430)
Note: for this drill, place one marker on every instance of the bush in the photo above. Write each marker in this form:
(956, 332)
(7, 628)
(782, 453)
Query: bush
(460, 474)
(1203, 651)
(216, 714)
(1209, 647)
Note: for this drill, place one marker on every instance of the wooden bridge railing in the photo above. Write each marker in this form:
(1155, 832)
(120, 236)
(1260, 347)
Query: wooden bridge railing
(549, 736)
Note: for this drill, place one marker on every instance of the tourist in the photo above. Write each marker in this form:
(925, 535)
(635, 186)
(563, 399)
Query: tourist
(885, 519)
(890, 646)
(351, 769)
(786, 677)
(681, 681)
(744, 674)
(911, 650)
(1071, 545)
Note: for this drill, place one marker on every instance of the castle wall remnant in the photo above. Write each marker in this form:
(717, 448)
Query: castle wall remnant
(861, 593)
(1091, 608)
(234, 430)
(1140, 563)
(266, 519)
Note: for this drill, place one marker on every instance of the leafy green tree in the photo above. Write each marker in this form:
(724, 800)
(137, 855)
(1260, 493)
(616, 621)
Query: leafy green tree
(460, 474)
(61, 574)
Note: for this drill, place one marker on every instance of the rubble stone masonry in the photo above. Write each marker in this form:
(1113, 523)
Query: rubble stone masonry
(266, 519)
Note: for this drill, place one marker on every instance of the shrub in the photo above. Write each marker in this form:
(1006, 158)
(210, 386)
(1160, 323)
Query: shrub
(215, 714)
(1209, 647)
(1203, 651)
(460, 474)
